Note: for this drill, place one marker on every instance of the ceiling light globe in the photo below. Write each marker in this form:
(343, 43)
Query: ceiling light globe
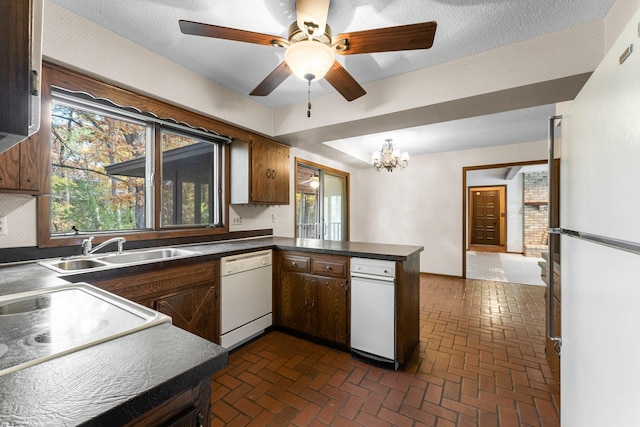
(309, 60)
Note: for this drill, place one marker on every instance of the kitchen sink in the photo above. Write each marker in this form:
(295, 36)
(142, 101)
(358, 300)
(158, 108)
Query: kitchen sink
(151, 255)
(114, 260)
(77, 264)
(25, 305)
(40, 325)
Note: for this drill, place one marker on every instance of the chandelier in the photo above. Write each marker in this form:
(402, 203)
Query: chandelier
(389, 157)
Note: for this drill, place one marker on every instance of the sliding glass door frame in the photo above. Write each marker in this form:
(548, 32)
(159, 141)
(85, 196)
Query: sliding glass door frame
(325, 179)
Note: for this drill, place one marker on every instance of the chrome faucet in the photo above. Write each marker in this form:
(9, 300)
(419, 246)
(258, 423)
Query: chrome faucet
(87, 245)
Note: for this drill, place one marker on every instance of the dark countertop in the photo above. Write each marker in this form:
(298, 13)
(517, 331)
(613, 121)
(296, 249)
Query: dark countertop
(111, 383)
(352, 249)
(26, 276)
(114, 381)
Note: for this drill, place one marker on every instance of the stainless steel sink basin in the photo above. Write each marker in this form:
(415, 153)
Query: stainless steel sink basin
(113, 260)
(40, 325)
(150, 255)
(78, 264)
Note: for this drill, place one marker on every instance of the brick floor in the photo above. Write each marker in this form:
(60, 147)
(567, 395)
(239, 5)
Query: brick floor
(480, 362)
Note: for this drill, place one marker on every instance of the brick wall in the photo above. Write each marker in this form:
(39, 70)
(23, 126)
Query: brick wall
(536, 214)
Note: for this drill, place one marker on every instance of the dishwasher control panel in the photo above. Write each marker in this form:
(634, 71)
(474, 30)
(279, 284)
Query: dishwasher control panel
(238, 263)
(373, 267)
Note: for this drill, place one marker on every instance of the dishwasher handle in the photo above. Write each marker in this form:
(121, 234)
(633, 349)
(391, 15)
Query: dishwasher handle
(372, 277)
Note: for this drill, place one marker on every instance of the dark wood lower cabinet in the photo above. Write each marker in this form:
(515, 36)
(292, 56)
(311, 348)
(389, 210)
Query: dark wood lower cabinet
(188, 292)
(195, 310)
(314, 304)
(191, 408)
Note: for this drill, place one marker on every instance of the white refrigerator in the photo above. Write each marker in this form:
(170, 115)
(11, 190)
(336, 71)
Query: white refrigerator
(600, 241)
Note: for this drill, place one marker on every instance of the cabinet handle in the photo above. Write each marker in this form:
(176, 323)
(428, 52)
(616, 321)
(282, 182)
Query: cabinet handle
(294, 264)
(328, 268)
(200, 420)
(273, 174)
(268, 173)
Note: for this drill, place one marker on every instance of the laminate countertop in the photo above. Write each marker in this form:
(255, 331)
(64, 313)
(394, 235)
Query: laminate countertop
(107, 384)
(113, 382)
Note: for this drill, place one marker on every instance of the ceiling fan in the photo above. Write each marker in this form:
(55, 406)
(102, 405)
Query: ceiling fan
(311, 48)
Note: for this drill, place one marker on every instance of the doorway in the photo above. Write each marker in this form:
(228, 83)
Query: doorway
(321, 202)
(510, 177)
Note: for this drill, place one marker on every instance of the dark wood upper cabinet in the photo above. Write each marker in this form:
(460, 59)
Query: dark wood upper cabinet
(22, 168)
(259, 172)
(20, 50)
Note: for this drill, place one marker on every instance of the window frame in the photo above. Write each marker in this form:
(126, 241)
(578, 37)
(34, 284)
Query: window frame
(57, 76)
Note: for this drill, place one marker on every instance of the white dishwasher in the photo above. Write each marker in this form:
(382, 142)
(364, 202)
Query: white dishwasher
(373, 320)
(245, 297)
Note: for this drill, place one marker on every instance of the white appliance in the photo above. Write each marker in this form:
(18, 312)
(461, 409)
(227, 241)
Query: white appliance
(373, 321)
(245, 297)
(600, 241)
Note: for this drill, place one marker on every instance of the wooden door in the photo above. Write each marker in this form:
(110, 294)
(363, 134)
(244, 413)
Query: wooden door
(485, 217)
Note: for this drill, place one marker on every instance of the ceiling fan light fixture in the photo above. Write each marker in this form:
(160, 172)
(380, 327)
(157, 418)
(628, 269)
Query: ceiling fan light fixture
(309, 59)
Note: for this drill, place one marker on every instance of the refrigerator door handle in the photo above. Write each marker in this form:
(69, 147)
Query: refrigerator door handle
(624, 245)
(551, 239)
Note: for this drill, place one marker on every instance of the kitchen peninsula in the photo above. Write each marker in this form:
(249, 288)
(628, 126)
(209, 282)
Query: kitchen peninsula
(127, 377)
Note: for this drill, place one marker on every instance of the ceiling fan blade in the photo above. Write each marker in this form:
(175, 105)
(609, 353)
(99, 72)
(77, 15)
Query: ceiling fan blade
(344, 83)
(272, 81)
(215, 31)
(312, 11)
(403, 37)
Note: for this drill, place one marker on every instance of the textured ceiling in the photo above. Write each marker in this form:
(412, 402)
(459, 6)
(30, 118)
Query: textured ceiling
(465, 27)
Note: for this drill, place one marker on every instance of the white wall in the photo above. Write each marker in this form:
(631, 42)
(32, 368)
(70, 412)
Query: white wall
(20, 211)
(422, 205)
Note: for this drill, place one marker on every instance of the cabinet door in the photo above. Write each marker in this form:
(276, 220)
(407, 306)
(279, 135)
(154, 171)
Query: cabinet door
(331, 309)
(263, 155)
(30, 168)
(10, 168)
(292, 301)
(282, 175)
(195, 310)
(20, 167)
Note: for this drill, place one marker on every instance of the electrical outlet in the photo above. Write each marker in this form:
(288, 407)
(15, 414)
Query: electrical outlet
(3, 225)
(238, 220)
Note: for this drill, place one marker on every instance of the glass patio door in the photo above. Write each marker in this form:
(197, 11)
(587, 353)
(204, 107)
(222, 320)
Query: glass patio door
(334, 206)
(321, 202)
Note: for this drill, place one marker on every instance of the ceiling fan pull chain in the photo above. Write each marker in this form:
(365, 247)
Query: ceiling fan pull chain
(309, 99)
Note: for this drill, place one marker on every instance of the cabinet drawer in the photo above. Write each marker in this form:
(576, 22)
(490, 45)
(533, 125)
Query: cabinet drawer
(295, 263)
(336, 267)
